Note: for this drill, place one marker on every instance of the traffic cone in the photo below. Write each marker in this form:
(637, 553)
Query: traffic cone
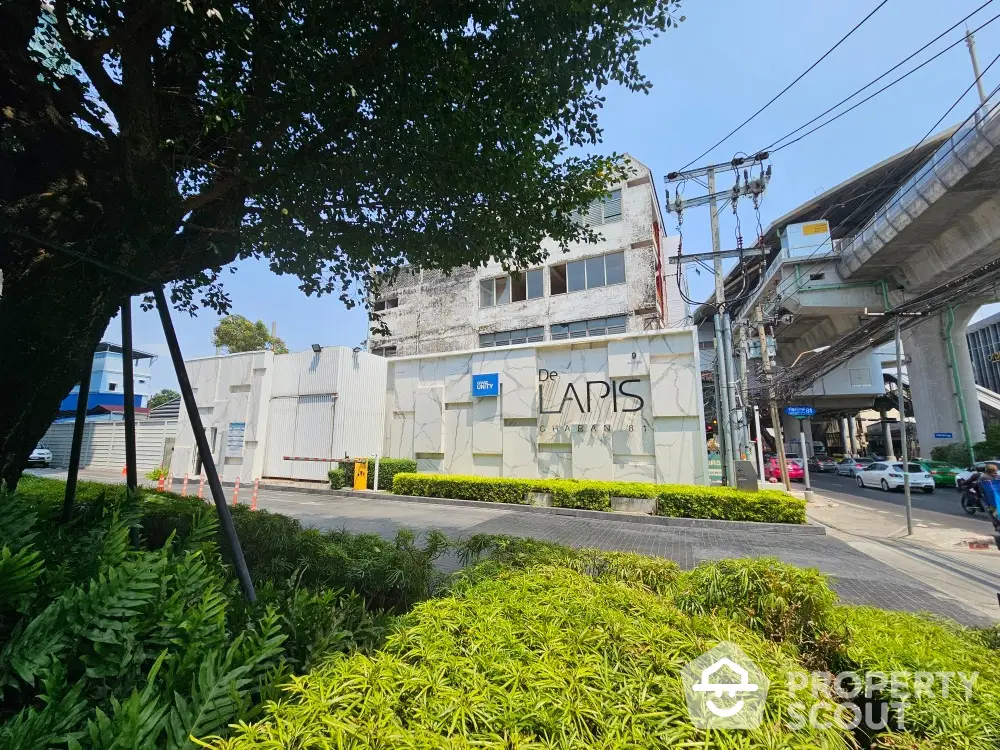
(236, 492)
(159, 484)
(201, 488)
(253, 498)
(170, 482)
(184, 486)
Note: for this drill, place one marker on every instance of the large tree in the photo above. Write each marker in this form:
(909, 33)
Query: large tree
(165, 139)
(236, 333)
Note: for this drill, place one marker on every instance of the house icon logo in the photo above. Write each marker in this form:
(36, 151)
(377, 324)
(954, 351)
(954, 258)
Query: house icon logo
(725, 689)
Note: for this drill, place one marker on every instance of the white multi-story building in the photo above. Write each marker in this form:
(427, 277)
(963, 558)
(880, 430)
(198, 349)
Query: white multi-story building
(617, 285)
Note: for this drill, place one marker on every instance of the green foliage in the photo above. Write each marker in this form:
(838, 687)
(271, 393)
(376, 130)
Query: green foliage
(955, 454)
(235, 334)
(679, 501)
(504, 552)
(388, 468)
(729, 504)
(779, 601)
(337, 479)
(140, 653)
(545, 658)
(159, 472)
(888, 642)
(161, 397)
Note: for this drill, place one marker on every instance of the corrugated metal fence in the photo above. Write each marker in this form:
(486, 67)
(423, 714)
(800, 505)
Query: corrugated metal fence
(104, 443)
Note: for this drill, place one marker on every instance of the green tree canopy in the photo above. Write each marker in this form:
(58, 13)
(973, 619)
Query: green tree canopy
(237, 334)
(162, 397)
(165, 139)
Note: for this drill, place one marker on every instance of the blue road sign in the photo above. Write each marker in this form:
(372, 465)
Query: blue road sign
(944, 436)
(800, 412)
(486, 385)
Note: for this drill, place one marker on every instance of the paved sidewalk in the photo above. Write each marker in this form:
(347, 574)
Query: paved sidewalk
(861, 570)
(954, 561)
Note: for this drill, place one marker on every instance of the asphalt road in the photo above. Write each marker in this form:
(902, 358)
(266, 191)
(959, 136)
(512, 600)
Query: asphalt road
(940, 508)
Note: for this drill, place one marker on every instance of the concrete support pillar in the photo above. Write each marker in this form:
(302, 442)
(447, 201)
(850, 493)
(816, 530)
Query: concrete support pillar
(933, 382)
(845, 440)
(852, 425)
(890, 449)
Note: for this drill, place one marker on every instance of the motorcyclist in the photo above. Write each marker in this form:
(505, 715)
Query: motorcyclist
(989, 492)
(973, 492)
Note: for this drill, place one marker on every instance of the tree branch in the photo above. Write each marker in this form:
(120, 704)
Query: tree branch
(84, 53)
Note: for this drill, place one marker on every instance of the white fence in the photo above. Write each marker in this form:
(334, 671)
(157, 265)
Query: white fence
(104, 444)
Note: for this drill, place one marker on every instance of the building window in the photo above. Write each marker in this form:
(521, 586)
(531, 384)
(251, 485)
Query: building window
(112, 386)
(602, 211)
(595, 327)
(590, 273)
(703, 345)
(557, 279)
(517, 287)
(527, 285)
(386, 304)
(507, 338)
(384, 351)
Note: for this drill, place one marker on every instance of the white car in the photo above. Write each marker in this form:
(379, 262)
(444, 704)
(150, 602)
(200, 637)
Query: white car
(40, 455)
(963, 476)
(889, 476)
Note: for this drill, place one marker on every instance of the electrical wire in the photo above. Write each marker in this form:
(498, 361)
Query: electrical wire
(775, 147)
(784, 90)
(892, 172)
(799, 285)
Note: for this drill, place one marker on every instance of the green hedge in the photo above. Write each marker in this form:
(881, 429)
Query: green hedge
(388, 468)
(677, 501)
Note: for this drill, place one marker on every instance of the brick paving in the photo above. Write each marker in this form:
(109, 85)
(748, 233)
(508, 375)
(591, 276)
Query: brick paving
(857, 578)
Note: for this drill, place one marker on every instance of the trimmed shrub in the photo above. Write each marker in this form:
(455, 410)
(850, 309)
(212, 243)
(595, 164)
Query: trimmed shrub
(898, 642)
(388, 468)
(337, 479)
(729, 504)
(779, 601)
(545, 658)
(505, 552)
(678, 501)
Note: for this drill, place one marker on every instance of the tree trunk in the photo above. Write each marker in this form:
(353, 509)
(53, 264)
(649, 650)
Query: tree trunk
(52, 316)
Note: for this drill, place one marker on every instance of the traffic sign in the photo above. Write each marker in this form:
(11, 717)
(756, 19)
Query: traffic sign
(944, 436)
(800, 412)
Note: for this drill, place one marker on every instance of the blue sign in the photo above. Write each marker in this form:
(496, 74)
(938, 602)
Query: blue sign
(800, 412)
(486, 385)
(944, 436)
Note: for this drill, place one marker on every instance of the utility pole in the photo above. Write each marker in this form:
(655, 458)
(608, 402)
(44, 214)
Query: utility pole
(721, 352)
(902, 411)
(731, 427)
(902, 430)
(970, 40)
(779, 439)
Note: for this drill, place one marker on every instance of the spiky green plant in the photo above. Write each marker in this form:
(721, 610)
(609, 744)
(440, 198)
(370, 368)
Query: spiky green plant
(545, 658)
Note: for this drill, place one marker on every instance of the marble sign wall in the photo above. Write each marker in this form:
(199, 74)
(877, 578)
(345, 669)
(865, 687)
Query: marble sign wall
(618, 407)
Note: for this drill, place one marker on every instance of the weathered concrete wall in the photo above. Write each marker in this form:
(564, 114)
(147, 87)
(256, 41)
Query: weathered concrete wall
(439, 313)
(616, 407)
(932, 385)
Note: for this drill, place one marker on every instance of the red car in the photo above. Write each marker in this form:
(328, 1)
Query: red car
(795, 470)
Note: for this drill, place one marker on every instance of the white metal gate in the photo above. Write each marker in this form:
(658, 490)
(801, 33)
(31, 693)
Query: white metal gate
(299, 426)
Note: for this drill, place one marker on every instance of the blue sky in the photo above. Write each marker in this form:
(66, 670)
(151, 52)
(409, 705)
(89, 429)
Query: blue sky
(725, 61)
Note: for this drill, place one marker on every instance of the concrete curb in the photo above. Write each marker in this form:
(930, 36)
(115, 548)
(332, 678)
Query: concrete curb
(593, 515)
(810, 528)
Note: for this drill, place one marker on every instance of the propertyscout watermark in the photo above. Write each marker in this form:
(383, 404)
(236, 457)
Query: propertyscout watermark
(725, 689)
